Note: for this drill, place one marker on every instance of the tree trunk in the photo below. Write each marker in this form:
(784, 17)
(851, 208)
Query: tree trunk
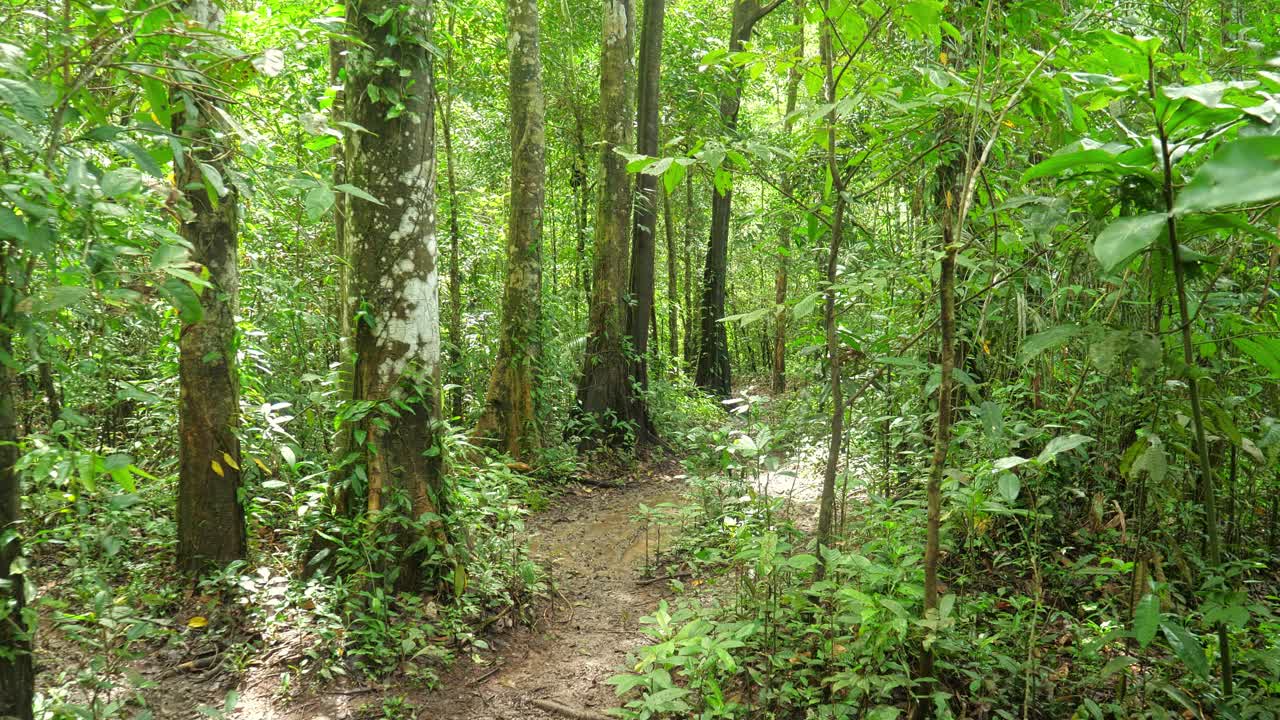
(579, 179)
(689, 348)
(394, 275)
(779, 379)
(211, 524)
(942, 428)
(713, 371)
(455, 235)
(644, 228)
(510, 418)
(673, 290)
(603, 392)
(17, 677)
(826, 510)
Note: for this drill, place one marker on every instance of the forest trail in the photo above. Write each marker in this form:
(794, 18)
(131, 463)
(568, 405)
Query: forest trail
(595, 551)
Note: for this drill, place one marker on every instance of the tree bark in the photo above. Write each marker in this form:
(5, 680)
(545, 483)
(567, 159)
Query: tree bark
(779, 371)
(673, 289)
(211, 523)
(510, 415)
(17, 677)
(455, 235)
(713, 373)
(689, 346)
(826, 509)
(394, 275)
(603, 392)
(644, 227)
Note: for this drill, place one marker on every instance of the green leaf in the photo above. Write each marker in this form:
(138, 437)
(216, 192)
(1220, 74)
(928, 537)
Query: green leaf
(1057, 163)
(1126, 237)
(1146, 618)
(1009, 463)
(1010, 486)
(184, 299)
(354, 191)
(213, 184)
(1050, 339)
(1059, 445)
(1115, 665)
(60, 297)
(1187, 647)
(318, 201)
(1264, 350)
(121, 181)
(1244, 171)
(673, 176)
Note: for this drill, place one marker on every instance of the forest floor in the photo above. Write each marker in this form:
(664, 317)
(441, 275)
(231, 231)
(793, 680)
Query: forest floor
(590, 544)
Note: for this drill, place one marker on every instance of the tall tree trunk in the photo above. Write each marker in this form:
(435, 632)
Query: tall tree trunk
(944, 204)
(689, 345)
(713, 371)
(673, 289)
(510, 415)
(580, 181)
(779, 372)
(826, 509)
(455, 236)
(644, 228)
(211, 524)
(394, 275)
(17, 676)
(603, 394)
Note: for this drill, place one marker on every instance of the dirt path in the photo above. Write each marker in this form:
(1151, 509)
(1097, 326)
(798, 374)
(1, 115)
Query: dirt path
(594, 551)
(596, 555)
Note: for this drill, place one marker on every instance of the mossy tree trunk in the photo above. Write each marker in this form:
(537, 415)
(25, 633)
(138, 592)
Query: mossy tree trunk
(510, 418)
(394, 284)
(603, 392)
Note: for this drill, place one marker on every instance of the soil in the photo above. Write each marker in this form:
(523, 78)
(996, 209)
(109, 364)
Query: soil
(597, 556)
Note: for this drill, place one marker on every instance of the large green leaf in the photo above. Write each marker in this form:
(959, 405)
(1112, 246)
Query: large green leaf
(1054, 337)
(1061, 444)
(1126, 237)
(1244, 171)
(1187, 647)
(1264, 350)
(318, 201)
(1066, 161)
(1146, 618)
(181, 296)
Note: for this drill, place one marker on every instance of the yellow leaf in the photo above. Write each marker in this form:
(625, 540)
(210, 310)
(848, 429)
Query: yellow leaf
(217, 468)
(197, 621)
(230, 461)
(260, 464)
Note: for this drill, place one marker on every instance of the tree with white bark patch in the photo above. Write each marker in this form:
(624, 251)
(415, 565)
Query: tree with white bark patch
(392, 251)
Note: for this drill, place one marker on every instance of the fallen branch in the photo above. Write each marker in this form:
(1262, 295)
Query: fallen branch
(556, 708)
(597, 483)
(652, 580)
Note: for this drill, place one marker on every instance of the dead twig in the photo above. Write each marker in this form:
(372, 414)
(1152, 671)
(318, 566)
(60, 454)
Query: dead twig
(556, 708)
(652, 580)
